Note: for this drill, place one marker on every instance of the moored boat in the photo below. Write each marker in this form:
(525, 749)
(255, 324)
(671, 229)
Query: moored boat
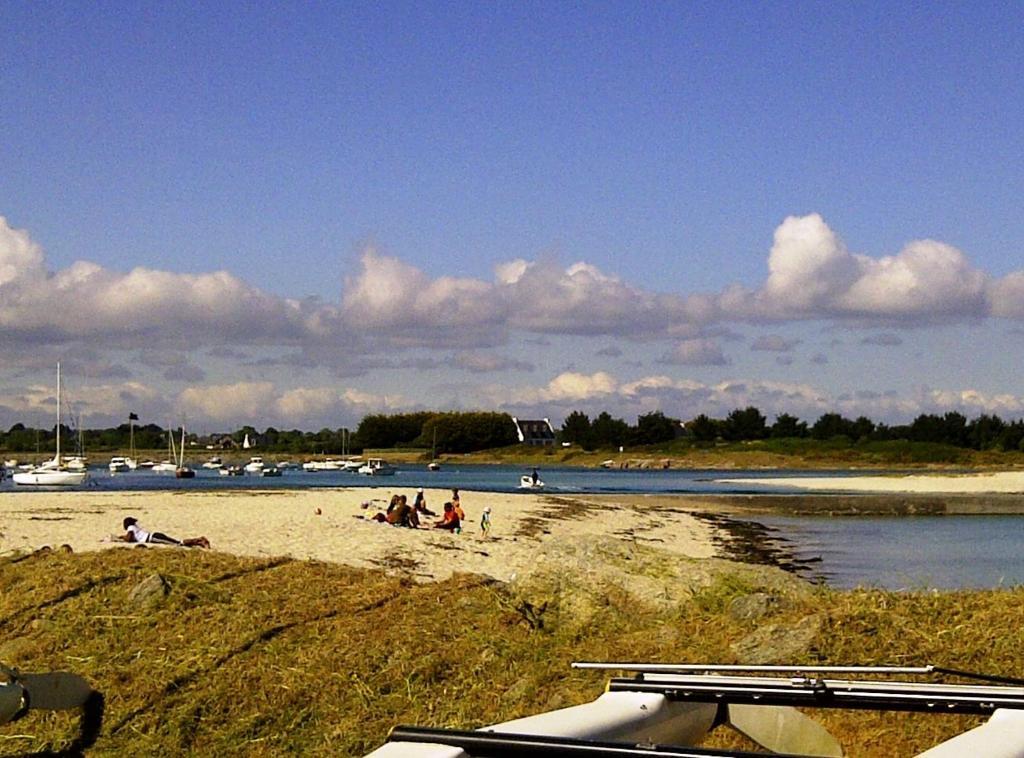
(53, 473)
(377, 467)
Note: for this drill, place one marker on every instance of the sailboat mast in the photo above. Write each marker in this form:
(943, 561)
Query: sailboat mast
(58, 413)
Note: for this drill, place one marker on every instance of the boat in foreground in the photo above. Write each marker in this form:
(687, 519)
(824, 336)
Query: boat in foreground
(668, 709)
(53, 473)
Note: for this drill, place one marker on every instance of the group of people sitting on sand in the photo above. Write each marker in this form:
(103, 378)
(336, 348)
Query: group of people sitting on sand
(400, 513)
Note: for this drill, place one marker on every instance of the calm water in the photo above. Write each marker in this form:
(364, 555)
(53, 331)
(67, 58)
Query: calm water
(486, 478)
(892, 552)
(910, 552)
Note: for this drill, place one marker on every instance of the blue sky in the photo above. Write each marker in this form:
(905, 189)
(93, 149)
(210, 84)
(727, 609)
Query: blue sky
(364, 175)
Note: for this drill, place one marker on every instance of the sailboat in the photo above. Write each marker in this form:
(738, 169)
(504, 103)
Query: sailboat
(170, 465)
(52, 473)
(182, 471)
(434, 465)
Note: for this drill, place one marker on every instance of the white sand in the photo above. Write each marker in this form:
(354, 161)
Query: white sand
(286, 523)
(1000, 482)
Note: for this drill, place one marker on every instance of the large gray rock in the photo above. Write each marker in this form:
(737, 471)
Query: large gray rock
(778, 643)
(149, 592)
(754, 606)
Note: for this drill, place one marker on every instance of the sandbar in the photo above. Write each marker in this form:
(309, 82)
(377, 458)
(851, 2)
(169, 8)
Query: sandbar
(973, 483)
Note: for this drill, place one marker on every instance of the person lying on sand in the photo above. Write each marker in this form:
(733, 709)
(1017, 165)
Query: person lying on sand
(135, 533)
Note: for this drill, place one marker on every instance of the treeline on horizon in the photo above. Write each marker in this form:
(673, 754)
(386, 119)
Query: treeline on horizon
(450, 432)
(466, 432)
(986, 432)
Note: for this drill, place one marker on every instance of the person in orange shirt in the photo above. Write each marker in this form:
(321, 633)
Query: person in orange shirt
(450, 520)
(457, 505)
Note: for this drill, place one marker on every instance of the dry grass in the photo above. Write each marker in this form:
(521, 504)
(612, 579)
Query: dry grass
(258, 657)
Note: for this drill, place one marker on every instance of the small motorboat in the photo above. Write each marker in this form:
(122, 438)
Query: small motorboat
(255, 465)
(118, 465)
(377, 467)
(433, 466)
(213, 463)
(231, 471)
(184, 472)
(270, 471)
(529, 482)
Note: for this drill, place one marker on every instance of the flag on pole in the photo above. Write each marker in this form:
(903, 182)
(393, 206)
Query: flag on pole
(133, 417)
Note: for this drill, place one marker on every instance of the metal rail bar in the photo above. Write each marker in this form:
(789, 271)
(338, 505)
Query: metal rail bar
(822, 694)
(499, 745)
(692, 667)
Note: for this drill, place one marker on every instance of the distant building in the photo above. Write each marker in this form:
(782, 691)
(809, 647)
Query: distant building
(534, 432)
(219, 442)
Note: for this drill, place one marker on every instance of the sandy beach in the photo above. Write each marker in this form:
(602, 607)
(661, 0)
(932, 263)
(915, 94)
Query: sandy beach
(1007, 482)
(287, 523)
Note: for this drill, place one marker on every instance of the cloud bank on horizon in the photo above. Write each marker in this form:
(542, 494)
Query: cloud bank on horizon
(388, 308)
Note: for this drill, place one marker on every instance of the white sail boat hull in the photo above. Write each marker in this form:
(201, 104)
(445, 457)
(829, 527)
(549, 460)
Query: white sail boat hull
(50, 478)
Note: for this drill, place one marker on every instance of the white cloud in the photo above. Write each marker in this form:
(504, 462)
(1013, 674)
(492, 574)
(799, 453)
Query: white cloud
(808, 265)
(1006, 296)
(263, 403)
(401, 304)
(228, 402)
(696, 352)
(20, 257)
(812, 275)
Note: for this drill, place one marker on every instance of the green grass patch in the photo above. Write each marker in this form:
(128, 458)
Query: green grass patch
(272, 657)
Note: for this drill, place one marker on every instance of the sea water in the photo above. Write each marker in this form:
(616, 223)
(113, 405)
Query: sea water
(908, 552)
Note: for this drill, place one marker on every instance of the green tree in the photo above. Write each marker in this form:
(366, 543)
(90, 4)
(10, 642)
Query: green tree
(576, 429)
(704, 429)
(832, 425)
(788, 426)
(654, 428)
(746, 424)
(608, 432)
